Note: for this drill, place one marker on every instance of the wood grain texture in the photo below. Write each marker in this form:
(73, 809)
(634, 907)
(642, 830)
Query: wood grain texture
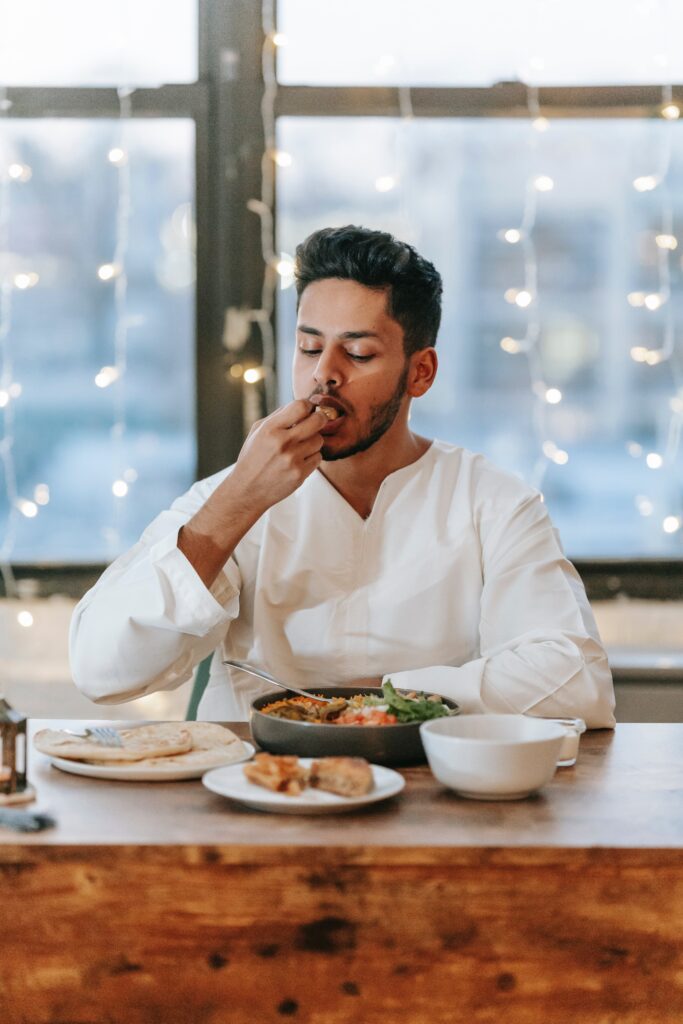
(157, 904)
(136, 935)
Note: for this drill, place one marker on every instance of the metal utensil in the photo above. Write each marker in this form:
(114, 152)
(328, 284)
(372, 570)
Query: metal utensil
(271, 679)
(105, 735)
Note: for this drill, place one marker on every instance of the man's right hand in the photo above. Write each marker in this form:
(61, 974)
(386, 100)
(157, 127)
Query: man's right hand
(277, 456)
(279, 453)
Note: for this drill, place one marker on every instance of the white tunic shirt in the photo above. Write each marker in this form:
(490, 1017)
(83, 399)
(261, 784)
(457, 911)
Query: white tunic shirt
(455, 584)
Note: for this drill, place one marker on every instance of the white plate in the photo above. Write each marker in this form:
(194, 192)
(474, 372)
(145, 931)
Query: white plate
(231, 781)
(134, 772)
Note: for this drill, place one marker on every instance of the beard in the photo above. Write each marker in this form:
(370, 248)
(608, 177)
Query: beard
(381, 418)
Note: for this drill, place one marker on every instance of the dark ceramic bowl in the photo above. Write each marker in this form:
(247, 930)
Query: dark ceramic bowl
(380, 744)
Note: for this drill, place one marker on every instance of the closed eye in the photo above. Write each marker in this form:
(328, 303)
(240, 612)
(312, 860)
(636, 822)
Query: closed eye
(351, 355)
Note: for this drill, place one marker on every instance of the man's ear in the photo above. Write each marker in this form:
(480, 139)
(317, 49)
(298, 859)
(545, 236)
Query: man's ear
(423, 367)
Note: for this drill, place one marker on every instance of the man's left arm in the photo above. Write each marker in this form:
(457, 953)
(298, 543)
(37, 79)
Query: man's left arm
(539, 649)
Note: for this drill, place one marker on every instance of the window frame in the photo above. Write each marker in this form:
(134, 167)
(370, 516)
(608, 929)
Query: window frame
(225, 104)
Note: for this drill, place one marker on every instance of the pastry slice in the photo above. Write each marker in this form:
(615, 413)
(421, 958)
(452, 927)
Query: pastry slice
(345, 776)
(281, 773)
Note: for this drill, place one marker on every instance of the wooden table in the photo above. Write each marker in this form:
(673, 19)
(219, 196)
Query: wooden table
(165, 903)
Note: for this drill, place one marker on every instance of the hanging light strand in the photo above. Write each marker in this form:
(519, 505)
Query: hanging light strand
(120, 157)
(527, 298)
(7, 411)
(274, 265)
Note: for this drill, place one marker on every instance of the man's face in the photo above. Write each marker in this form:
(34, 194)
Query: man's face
(349, 355)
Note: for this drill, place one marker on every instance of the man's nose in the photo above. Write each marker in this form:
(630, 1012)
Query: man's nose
(328, 371)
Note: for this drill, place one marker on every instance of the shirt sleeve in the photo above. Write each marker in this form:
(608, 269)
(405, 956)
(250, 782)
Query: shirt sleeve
(539, 648)
(150, 619)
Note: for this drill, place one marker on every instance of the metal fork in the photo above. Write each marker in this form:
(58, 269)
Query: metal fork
(105, 735)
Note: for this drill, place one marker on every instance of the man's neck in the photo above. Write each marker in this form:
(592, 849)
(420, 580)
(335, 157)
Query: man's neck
(359, 478)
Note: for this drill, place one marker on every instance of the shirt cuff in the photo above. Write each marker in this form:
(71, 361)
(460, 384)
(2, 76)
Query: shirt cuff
(463, 685)
(196, 608)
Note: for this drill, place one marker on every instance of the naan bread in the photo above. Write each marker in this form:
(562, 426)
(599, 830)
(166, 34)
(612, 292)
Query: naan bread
(212, 747)
(162, 739)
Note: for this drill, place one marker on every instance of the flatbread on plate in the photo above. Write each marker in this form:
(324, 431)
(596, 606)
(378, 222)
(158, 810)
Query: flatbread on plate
(161, 739)
(212, 747)
(182, 744)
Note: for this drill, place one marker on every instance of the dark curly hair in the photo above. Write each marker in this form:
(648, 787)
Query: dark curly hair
(377, 260)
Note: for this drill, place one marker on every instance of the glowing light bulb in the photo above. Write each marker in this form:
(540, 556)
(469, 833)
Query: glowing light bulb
(671, 111)
(646, 183)
(638, 354)
(236, 370)
(385, 183)
(653, 357)
(653, 301)
(654, 460)
(543, 183)
(25, 280)
(119, 488)
(282, 159)
(511, 235)
(666, 242)
(41, 494)
(523, 299)
(553, 396)
(4, 398)
(670, 524)
(510, 345)
(279, 39)
(561, 457)
(27, 508)
(25, 619)
(284, 265)
(117, 156)
(107, 271)
(540, 124)
(253, 374)
(19, 172)
(106, 376)
(636, 298)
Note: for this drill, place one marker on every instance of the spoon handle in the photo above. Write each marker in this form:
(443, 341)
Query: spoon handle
(262, 674)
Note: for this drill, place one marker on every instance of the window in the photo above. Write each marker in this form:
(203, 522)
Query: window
(591, 413)
(97, 240)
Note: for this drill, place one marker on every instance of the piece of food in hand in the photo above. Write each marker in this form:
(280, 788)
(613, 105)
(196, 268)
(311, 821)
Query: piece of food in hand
(281, 773)
(328, 411)
(345, 776)
(161, 739)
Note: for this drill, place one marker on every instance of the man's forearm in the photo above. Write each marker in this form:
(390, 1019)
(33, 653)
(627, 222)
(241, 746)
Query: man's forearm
(210, 537)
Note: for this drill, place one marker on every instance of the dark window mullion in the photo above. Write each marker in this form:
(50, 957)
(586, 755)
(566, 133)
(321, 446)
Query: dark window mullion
(506, 99)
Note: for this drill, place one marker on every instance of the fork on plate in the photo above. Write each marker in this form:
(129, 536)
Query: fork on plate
(105, 735)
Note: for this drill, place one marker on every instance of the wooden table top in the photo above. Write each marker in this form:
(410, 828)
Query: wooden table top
(625, 791)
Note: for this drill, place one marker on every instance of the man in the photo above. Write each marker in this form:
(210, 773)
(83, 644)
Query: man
(343, 547)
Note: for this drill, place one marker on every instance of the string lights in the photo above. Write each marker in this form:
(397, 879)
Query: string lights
(114, 375)
(666, 244)
(527, 297)
(277, 266)
(12, 175)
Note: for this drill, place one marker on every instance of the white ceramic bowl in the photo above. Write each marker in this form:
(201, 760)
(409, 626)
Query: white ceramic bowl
(492, 757)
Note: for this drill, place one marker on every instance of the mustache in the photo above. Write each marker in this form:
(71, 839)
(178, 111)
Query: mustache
(330, 393)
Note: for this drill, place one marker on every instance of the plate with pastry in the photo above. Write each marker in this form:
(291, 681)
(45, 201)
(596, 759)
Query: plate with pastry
(305, 785)
(153, 752)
